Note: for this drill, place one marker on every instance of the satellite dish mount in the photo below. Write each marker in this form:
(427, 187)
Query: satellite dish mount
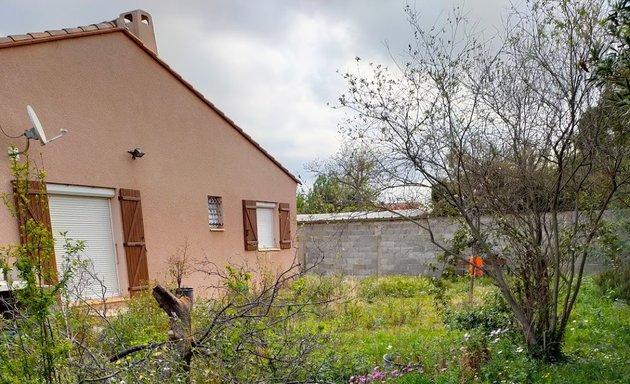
(37, 131)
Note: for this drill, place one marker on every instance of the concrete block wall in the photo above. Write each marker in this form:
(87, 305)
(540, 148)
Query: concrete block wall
(378, 247)
(370, 248)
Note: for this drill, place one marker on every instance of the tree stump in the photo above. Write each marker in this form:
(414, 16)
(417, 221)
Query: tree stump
(179, 312)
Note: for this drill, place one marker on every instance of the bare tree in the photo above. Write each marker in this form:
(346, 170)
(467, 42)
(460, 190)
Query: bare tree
(492, 128)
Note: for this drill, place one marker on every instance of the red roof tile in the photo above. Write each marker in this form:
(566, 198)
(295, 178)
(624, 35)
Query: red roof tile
(21, 37)
(57, 32)
(72, 30)
(88, 28)
(39, 35)
(106, 25)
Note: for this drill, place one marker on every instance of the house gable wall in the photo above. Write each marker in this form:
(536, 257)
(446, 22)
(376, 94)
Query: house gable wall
(112, 97)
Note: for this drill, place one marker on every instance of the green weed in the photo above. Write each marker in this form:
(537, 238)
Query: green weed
(393, 286)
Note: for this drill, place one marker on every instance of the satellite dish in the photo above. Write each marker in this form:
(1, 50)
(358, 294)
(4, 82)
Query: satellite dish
(37, 131)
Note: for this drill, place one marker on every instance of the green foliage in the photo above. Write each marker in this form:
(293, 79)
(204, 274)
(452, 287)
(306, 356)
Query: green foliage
(344, 183)
(614, 247)
(414, 378)
(490, 315)
(237, 282)
(300, 203)
(259, 333)
(597, 341)
(308, 330)
(319, 289)
(615, 282)
(372, 288)
(392, 325)
(330, 195)
(611, 56)
(35, 351)
(507, 363)
(141, 322)
(603, 132)
(493, 132)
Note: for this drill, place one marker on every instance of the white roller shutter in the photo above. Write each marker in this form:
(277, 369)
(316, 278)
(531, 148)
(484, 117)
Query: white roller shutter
(265, 224)
(86, 218)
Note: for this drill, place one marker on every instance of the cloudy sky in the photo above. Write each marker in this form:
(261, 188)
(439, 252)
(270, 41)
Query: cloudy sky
(270, 65)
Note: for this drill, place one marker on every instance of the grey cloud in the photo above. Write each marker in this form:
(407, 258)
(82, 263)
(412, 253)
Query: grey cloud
(249, 58)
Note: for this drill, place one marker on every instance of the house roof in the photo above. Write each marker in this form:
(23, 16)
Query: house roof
(113, 27)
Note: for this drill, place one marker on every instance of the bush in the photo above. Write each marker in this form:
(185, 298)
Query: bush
(493, 314)
(143, 321)
(614, 247)
(615, 283)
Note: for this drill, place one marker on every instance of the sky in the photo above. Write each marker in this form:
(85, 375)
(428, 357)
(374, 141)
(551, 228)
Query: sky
(272, 66)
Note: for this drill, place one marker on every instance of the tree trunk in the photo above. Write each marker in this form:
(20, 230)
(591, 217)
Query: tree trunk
(179, 312)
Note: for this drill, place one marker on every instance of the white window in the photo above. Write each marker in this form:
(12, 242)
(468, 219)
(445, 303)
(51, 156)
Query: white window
(84, 213)
(266, 226)
(215, 212)
(265, 223)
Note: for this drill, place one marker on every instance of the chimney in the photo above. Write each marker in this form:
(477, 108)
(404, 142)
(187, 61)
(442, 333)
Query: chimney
(140, 24)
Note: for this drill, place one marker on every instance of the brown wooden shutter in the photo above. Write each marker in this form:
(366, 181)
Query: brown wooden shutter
(34, 200)
(285, 225)
(250, 225)
(135, 246)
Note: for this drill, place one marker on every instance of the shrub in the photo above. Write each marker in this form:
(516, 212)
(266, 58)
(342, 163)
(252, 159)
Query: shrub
(615, 283)
(614, 247)
(491, 315)
(143, 321)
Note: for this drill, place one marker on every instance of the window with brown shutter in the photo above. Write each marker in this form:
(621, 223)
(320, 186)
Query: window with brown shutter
(261, 230)
(285, 225)
(250, 227)
(135, 246)
(32, 203)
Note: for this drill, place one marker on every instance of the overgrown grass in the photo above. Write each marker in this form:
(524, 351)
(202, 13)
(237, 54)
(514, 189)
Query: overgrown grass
(392, 323)
(402, 329)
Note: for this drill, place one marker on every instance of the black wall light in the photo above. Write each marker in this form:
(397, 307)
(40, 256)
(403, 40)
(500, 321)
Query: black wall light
(136, 153)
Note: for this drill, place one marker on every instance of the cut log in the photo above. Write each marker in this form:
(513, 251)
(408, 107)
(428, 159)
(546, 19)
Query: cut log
(179, 310)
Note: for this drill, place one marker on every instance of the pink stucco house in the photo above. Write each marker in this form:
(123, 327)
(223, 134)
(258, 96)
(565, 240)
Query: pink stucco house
(202, 180)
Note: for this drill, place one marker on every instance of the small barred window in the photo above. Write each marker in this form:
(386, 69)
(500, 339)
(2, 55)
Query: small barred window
(215, 215)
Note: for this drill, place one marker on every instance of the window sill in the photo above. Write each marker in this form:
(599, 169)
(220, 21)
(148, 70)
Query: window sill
(268, 249)
(217, 230)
